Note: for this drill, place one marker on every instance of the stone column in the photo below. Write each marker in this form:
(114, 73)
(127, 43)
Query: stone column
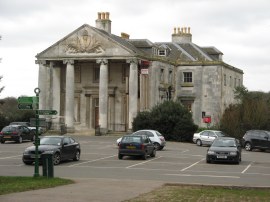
(133, 91)
(69, 111)
(56, 71)
(42, 83)
(103, 96)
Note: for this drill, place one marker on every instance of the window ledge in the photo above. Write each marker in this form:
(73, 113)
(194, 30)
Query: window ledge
(187, 85)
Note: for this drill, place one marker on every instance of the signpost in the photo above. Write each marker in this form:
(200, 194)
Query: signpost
(28, 103)
(32, 103)
(47, 112)
(25, 106)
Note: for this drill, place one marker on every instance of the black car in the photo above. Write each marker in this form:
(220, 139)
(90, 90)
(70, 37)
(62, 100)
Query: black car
(256, 139)
(16, 133)
(62, 148)
(136, 145)
(224, 149)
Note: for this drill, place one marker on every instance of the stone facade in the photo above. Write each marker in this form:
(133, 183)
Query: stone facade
(95, 78)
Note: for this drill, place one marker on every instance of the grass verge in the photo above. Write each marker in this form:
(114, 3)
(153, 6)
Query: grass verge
(20, 184)
(192, 193)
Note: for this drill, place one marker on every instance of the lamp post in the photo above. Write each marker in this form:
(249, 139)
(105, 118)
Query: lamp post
(37, 140)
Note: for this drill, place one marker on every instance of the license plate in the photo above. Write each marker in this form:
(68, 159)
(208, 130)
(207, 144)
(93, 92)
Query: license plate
(130, 147)
(7, 136)
(34, 156)
(222, 157)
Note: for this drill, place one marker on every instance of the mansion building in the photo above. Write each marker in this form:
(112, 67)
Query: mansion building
(94, 78)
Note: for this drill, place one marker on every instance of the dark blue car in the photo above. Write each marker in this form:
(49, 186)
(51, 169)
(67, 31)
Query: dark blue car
(136, 145)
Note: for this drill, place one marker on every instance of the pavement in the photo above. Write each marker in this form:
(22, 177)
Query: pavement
(87, 190)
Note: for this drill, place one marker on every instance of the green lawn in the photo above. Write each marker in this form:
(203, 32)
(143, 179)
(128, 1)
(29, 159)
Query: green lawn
(194, 193)
(19, 184)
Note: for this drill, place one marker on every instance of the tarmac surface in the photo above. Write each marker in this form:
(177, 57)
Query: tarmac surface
(87, 190)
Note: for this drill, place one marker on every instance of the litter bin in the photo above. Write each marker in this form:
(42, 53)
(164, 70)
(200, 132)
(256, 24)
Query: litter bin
(47, 164)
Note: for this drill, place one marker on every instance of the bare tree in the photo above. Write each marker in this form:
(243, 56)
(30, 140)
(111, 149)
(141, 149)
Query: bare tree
(1, 88)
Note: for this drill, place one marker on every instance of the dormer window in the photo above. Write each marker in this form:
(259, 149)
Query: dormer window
(161, 52)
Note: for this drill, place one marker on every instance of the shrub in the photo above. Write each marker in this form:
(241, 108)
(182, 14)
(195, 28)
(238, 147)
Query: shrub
(170, 118)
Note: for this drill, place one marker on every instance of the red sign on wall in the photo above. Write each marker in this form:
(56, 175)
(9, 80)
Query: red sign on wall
(207, 119)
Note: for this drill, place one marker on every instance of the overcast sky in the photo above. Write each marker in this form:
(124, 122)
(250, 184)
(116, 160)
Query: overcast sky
(238, 28)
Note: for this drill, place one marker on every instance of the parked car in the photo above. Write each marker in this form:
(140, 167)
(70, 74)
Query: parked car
(206, 137)
(136, 145)
(155, 136)
(16, 133)
(256, 139)
(225, 149)
(27, 124)
(62, 148)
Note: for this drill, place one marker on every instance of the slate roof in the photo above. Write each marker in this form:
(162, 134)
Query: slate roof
(177, 52)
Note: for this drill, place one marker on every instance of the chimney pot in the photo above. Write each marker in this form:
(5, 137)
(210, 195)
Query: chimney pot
(189, 30)
(107, 15)
(174, 30)
(178, 30)
(102, 15)
(99, 15)
(185, 29)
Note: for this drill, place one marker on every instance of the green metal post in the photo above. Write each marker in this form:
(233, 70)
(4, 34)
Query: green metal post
(36, 174)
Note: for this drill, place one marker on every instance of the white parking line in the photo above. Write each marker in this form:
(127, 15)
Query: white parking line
(144, 162)
(218, 176)
(91, 161)
(193, 164)
(10, 157)
(247, 168)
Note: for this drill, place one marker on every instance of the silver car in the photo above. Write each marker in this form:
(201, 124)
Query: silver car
(206, 137)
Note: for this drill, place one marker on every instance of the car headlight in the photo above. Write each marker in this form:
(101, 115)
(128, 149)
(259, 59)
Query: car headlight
(210, 152)
(26, 152)
(233, 153)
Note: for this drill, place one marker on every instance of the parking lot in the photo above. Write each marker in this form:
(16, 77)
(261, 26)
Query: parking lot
(177, 163)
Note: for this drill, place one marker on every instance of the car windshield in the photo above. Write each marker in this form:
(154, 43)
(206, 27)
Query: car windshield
(224, 143)
(50, 141)
(220, 134)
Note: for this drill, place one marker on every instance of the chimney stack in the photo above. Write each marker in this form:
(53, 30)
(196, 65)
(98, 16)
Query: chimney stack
(182, 35)
(103, 22)
(124, 35)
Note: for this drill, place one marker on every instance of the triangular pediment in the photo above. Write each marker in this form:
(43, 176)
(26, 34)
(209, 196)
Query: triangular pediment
(90, 42)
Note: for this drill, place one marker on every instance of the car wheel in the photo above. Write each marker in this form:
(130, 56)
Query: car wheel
(157, 145)
(20, 140)
(199, 142)
(144, 157)
(248, 146)
(153, 154)
(161, 147)
(56, 158)
(2, 141)
(120, 156)
(77, 155)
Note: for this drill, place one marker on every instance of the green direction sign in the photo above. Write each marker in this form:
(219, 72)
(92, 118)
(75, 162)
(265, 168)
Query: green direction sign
(47, 112)
(25, 106)
(28, 99)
